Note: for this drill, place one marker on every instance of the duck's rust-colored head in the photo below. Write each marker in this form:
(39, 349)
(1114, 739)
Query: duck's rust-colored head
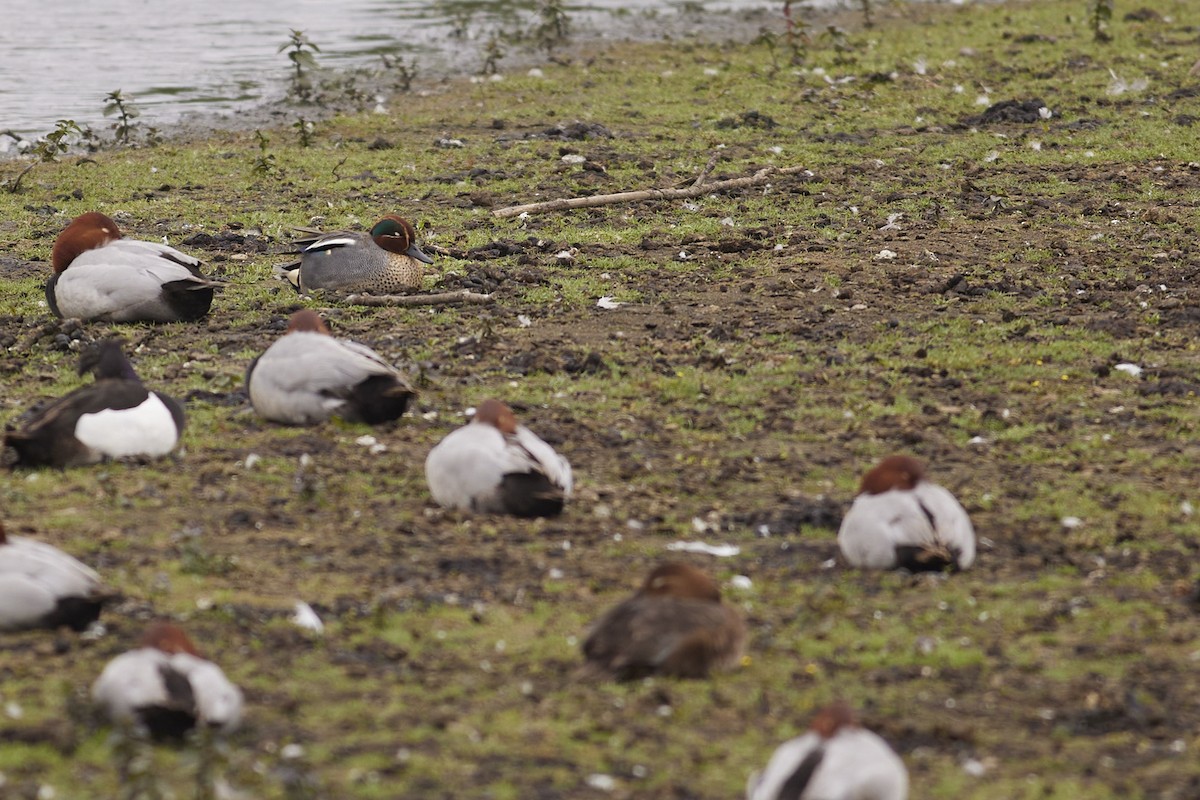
(894, 472)
(681, 580)
(833, 718)
(307, 320)
(169, 638)
(494, 413)
(86, 232)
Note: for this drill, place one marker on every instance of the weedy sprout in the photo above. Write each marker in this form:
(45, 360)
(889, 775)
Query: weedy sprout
(46, 149)
(116, 104)
(300, 51)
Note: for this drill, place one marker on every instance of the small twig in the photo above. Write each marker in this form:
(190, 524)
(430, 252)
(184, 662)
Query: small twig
(760, 177)
(442, 299)
(712, 162)
(338, 166)
(15, 186)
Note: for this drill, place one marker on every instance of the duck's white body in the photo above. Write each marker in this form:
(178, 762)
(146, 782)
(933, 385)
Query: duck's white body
(37, 579)
(468, 468)
(143, 679)
(306, 377)
(853, 764)
(926, 516)
(148, 429)
(124, 280)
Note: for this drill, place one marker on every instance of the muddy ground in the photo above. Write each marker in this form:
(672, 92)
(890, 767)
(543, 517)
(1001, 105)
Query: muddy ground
(767, 351)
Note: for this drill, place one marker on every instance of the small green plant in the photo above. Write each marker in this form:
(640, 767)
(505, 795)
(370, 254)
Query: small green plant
(116, 104)
(866, 12)
(264, 163)
(493, 52)
(45, 150)
(1100, 14)
(553, 27)
(300, 51)
(840, 42)
(304, 129)
(50, 146)
(797, 37)
(406, 72)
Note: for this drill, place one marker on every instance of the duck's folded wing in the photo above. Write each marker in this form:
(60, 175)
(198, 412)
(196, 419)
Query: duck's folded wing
(314, 241)
(528, 453)
(952, 525)
(218, 701)
(116, 284)
(790, 771)
(319, 363)
(62, 574)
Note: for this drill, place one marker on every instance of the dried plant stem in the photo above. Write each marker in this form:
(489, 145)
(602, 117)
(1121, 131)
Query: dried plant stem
(712, 162)
(762, 176)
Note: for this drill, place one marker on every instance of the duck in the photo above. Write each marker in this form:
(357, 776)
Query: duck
(43, 587)
(835, 760)
(166, 688)
(307, 376)
(100, 275)
(493, 465)
(900, 520)
(674, 625)
(114, 417)
(384, 261)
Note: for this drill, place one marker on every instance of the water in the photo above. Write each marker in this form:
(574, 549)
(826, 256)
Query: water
(181, 59)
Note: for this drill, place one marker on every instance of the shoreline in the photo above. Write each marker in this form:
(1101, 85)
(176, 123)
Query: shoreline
(377, 88)
(433, 68)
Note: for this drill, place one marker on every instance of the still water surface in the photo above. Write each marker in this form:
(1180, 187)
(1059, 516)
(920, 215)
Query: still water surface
(59, 58)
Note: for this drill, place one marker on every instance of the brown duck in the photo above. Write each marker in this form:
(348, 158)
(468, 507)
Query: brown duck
(674, 625)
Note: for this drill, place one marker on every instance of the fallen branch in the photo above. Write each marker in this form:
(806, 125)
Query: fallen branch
(760, 177)
(442, 299)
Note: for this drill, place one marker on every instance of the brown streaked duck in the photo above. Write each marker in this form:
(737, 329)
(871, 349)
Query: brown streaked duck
(100, 275)
(675, 625)
(114, 417)
(493, 465)
(902, 521)
(308, 376)
(835, 760)
(385, 261)
(43, 587)
(166, 687)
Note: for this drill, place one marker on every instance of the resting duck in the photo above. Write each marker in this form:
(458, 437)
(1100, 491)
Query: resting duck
(835, 760)
(115, 417)
(495, 466)
(98, 274)
(307, 376)
(901, 520)
(43, 587)
(384, 261)
(674, 625)
(166, 687)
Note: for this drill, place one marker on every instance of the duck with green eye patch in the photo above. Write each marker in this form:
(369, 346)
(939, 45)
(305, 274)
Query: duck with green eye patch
(385, 261)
